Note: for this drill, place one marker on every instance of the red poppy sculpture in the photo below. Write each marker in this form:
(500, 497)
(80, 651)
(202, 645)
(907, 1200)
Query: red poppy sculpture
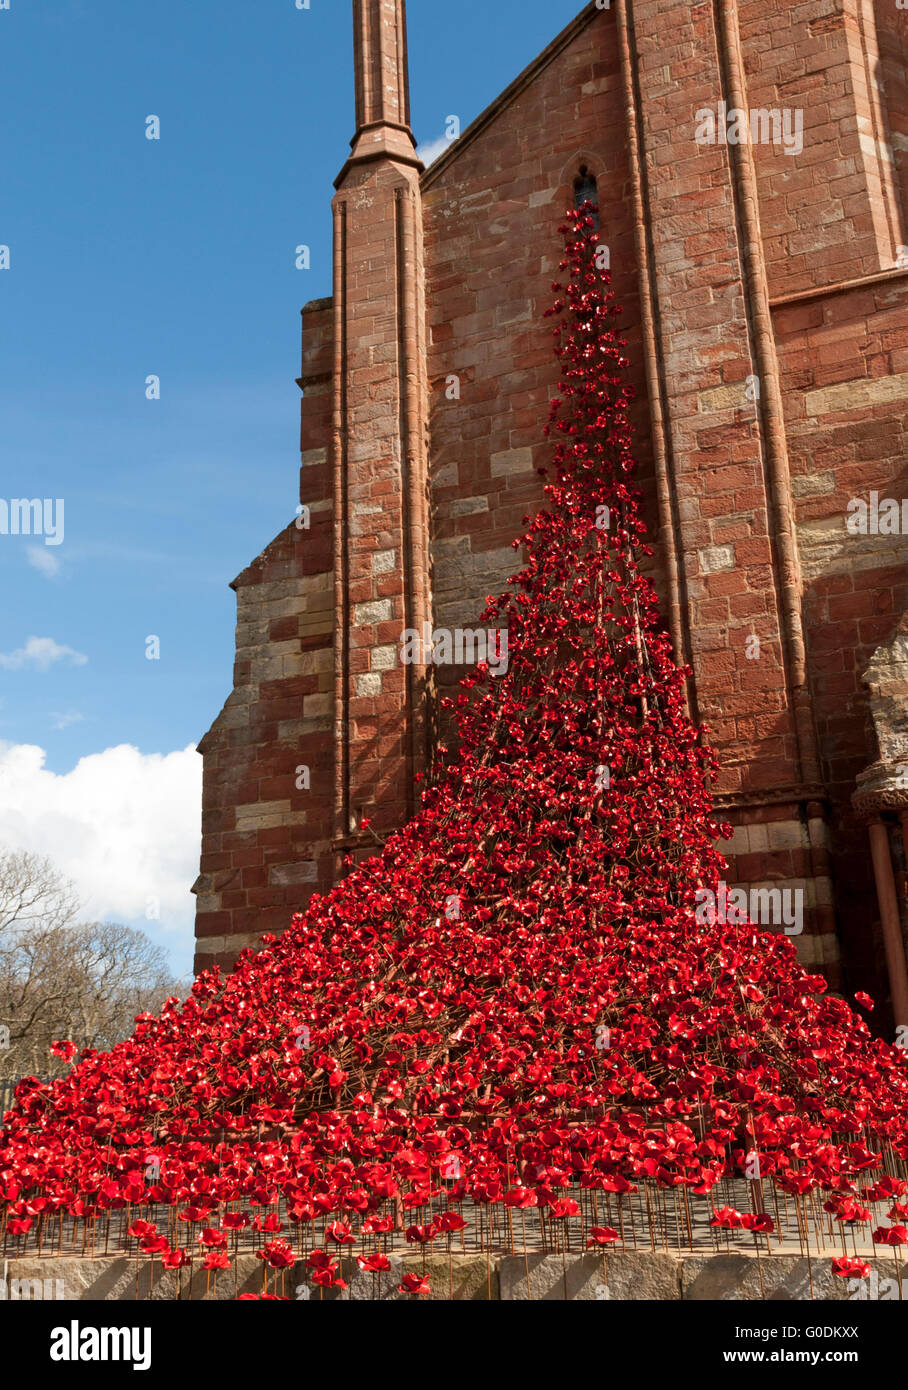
(572, 1034)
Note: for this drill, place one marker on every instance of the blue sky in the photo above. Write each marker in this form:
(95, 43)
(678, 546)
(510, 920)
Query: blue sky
(174, 258)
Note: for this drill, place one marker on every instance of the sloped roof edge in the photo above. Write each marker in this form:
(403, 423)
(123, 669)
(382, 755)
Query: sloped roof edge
(510, 93)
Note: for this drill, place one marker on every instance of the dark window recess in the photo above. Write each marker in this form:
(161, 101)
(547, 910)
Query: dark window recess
(585, 190)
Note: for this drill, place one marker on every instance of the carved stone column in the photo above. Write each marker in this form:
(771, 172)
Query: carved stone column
(882, 791)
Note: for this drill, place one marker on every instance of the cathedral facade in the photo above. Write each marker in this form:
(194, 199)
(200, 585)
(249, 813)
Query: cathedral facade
(750, 163)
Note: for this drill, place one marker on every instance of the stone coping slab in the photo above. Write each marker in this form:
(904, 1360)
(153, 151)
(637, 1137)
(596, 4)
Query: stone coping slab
(619, 1276)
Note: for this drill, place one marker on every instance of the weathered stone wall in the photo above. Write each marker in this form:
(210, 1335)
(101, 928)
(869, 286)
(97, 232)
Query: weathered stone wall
(891, 75)
(778, 363)
(843, 358)
(492, 208)
(624, 1276)
(266, 836)
(832, 212)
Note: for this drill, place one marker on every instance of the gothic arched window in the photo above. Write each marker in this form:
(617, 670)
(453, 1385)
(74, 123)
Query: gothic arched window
(586, 189)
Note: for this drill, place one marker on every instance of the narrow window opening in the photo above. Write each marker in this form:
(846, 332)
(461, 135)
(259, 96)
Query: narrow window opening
(586, 190)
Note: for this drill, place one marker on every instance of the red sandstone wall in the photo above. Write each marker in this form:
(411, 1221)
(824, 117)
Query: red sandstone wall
(491, 211)
(832, 212)
(492, 250)
(892, 76)
(845, 364)
(823, 217)
(265, 841)
(717, 458)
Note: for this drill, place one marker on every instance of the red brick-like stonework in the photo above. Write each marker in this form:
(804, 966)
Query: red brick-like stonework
(744, 272)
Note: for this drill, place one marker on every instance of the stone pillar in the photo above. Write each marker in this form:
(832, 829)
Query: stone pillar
(883, 789)
(890, 919)
(379, 444)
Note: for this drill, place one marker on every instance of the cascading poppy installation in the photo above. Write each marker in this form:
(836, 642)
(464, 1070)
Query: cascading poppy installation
(572, 1061)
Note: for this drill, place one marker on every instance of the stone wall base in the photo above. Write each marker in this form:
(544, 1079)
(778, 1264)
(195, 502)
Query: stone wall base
(624, 1276)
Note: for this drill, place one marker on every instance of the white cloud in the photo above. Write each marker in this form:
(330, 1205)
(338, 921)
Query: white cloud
(43, 560)
(40, 653)
(433, 150)
(124, 826)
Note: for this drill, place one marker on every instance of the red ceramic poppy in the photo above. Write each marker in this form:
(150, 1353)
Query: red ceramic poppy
(413, 1283)
(601, 1235)
(373, 1264)
(216, 1259)
(579, 1029)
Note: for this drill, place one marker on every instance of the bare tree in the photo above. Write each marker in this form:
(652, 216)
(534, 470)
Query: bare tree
(63, 980)
(33, 894)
